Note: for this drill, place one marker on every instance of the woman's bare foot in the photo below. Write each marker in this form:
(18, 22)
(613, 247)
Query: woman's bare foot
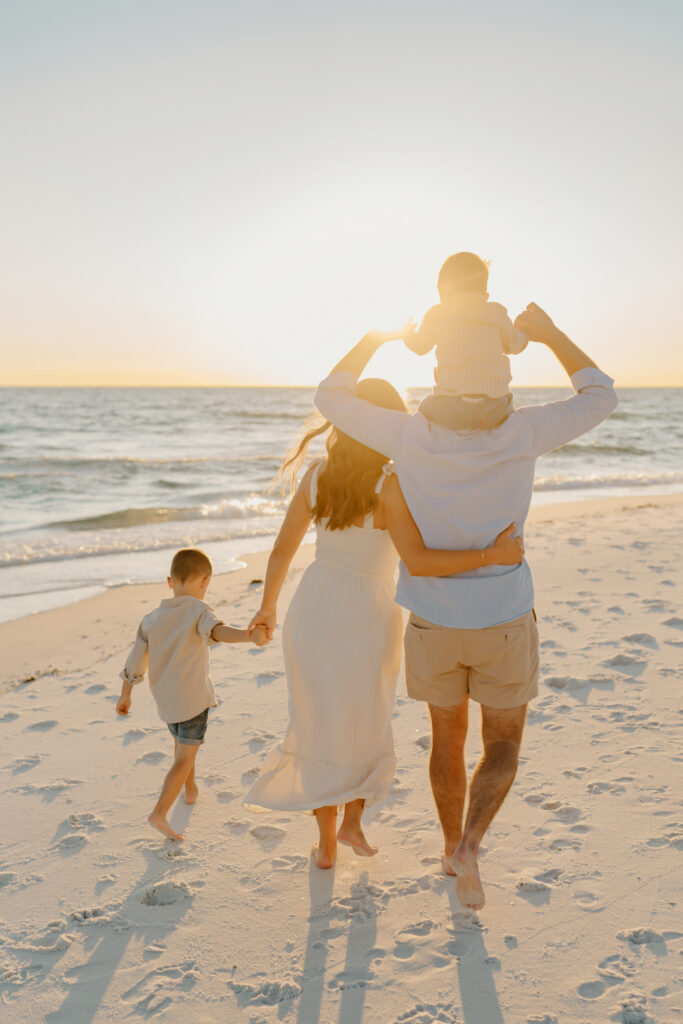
(354, 837)
(191, 794)
(159, 822)
(324, 856)
(469, 888)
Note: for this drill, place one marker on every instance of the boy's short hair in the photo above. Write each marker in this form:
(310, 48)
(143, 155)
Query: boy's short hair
(464, 272)
(190, 562)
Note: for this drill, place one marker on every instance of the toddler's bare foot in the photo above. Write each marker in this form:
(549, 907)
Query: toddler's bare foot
(159, 822)
(325, 856)
(354, 837)
(469, 888)
(191, 794)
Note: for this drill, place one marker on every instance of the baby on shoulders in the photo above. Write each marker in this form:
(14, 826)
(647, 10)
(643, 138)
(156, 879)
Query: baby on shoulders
(473, 338)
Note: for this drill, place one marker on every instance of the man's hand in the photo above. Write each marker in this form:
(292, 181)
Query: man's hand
(535, 322)
(266, 619)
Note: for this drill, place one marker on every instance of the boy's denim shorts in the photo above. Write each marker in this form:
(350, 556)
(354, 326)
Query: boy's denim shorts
(191, 732)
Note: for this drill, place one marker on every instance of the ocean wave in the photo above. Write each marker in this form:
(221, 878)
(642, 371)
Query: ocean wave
(608, 482)
(128, 517)
(66, 548)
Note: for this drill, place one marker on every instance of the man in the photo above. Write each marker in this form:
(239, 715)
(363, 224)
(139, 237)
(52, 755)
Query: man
(473, 635)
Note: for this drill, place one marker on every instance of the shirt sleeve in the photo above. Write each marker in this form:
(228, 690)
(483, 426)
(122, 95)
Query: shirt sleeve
(380, 429)
(557, 423)
(206, 622)
(138, 659)
(514, 341)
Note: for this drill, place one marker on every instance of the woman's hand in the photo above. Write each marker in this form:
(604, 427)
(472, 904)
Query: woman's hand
(507, 550)
(381, 336)
(266, 619)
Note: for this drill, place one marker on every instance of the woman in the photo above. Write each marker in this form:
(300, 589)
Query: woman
(342, 633)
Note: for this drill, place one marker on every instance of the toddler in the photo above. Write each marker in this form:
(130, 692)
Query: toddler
(473, 338)
(173, 643)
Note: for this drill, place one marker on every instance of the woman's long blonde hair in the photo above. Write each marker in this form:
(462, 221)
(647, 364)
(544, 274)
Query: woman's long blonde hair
(346, 484)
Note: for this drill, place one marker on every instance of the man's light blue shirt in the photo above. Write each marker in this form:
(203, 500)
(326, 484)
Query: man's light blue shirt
(464, 487)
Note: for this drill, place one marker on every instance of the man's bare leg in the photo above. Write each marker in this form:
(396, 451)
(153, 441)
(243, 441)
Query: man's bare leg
(447, 771)
(501, 731)
(326, 852)
(183, 761)
(351, 831)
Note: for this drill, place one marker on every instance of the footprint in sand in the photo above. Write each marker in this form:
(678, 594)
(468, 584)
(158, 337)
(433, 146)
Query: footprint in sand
(152, 757)
(95, 688)
(627, 664)
(267, 833)
(71, 843)
(429, 1013)
(24, 764)
(268, 993)
(265, 678)
(9, 716)
(84, 820)
(641, 639)
(424, 742)
(225, 796)
(289, 863)
(6, 878)
(674, 623)
(165, 893)
(45, 726)
(152, 994)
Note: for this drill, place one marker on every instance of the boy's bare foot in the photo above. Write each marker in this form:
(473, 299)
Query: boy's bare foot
(324, 856)
(355, 838)
(157, 821)
(469, 888)
(191, 794)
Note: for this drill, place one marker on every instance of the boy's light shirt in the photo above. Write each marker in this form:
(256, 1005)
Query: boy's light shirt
(463, 488)
(173, 644)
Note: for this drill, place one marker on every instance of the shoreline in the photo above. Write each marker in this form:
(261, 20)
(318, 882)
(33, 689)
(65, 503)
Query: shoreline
(125, 604)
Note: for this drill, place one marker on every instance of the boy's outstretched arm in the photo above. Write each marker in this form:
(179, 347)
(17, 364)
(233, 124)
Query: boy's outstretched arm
(134, 671)
(223, 634)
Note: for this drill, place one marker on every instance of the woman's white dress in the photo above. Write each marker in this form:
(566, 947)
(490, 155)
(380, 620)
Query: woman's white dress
(342, 648)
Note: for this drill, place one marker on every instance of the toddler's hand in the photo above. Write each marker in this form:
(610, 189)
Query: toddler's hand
(259, 636)
(123, 706)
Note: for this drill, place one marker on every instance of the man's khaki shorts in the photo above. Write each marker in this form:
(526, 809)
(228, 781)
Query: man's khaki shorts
(496, 666)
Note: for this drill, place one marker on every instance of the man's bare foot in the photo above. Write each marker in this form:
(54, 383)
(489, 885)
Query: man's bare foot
(355, 838)
(324, 856)
(157, 821)
(191, 794)
(469, 888)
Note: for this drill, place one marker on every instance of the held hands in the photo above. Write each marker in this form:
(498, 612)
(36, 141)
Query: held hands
(535, 322)
(258, 635)
(507, 550)
(267, 621)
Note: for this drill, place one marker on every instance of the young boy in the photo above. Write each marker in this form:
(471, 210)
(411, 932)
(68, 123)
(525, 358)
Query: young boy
(173, 642)
(472, 337)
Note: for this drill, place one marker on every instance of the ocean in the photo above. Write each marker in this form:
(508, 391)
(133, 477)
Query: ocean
(99, 485)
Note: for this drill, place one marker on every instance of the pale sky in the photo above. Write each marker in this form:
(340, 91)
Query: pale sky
(233, 193)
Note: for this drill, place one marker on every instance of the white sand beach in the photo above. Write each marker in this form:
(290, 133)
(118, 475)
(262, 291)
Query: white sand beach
(103, 920)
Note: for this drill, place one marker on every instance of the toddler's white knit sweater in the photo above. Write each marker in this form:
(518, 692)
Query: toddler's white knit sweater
(473, 338)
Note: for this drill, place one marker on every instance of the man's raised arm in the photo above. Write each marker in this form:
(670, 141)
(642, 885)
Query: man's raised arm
(557, 423)
(337, 401)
